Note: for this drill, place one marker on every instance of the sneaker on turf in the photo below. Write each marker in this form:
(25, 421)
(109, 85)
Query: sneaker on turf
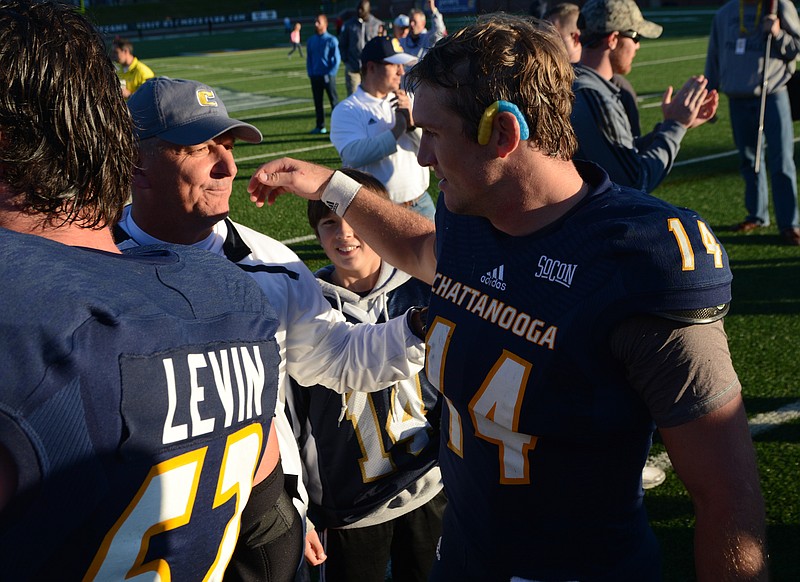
(747, 226)
(652, 477)
(321, 130)
(790, 236)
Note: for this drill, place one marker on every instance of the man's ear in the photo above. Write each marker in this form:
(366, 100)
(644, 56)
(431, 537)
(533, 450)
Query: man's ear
(140, 179)
(612, 40)
(576, 38)
(508, 130)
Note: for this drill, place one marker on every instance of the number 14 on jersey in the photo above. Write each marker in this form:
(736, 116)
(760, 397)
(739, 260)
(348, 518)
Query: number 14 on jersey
(494, 409)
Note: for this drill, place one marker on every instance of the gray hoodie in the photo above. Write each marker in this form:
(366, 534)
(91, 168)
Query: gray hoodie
(739, 73)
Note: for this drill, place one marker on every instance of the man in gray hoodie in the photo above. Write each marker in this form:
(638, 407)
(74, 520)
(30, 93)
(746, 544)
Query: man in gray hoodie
(736, 50)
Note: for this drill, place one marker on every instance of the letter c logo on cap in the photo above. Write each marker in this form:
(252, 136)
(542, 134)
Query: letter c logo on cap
(207, 99)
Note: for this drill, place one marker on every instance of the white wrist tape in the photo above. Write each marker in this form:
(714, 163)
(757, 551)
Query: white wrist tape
(339, 192)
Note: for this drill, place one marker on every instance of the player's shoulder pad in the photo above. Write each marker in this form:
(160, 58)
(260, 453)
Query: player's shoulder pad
(207, 281)
(668, 255)
(700, 315)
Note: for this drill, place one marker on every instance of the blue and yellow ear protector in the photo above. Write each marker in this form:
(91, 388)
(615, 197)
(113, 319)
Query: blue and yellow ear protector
(485, 127)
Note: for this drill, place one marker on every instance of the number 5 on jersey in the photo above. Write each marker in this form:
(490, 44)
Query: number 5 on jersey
(165, 502)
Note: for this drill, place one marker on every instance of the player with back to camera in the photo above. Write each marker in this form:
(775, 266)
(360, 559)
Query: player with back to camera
(565, 368)
(137, 388)
(181, 194)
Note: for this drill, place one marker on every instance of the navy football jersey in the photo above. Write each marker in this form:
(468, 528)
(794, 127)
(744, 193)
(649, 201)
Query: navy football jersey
(137, 396)
(543, 439)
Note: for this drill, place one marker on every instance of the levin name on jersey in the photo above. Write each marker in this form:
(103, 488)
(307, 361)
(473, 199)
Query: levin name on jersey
(494, 311)
(203, 389)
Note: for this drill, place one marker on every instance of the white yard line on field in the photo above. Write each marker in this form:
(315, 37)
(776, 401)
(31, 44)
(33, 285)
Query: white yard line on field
(285, 153)
(252, 118)
(707, 158)
(710, 157)
(268, 75)
(299, 239)
(671, 60)
(760, 423)
(281, 89)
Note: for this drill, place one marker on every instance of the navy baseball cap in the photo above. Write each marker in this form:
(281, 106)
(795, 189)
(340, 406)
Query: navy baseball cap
(184, 113)
(386, 50)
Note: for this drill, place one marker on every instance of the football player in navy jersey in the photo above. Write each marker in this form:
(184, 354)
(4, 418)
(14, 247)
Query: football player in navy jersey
(181, 193)
(569, 317)
(136, 390)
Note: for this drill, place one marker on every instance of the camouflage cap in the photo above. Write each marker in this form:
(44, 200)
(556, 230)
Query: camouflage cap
(601, 17)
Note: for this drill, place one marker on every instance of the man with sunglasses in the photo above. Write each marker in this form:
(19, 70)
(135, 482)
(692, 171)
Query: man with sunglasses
(610, 35)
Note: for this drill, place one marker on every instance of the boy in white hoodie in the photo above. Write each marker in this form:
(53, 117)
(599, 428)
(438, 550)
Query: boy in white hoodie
(371, 459)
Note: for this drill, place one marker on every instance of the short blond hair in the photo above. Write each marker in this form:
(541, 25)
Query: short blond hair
(513, 58)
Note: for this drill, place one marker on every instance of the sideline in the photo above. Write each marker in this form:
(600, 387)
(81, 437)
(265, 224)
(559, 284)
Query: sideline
(759, 424)
(710, 157)
(671, 60)
(275, 155)
(284, 153)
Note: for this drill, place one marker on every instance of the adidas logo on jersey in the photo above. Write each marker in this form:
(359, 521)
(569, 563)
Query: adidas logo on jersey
(555, 270)
(494, 278)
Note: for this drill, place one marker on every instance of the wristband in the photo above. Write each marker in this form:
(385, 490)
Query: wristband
(417, 319)
(339, 192)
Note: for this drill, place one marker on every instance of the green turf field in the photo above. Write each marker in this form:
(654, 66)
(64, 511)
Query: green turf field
(269, 90)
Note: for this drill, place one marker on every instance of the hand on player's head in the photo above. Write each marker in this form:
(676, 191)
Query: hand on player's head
(287, 175)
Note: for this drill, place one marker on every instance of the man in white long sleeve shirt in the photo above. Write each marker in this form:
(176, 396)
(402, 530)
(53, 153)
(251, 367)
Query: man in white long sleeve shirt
(182, 186)
(373, 129)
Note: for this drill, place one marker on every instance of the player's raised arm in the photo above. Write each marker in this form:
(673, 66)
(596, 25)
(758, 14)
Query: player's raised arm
(402, 237)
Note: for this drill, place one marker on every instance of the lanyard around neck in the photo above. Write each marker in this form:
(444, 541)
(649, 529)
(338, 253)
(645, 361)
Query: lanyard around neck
(742, 27)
